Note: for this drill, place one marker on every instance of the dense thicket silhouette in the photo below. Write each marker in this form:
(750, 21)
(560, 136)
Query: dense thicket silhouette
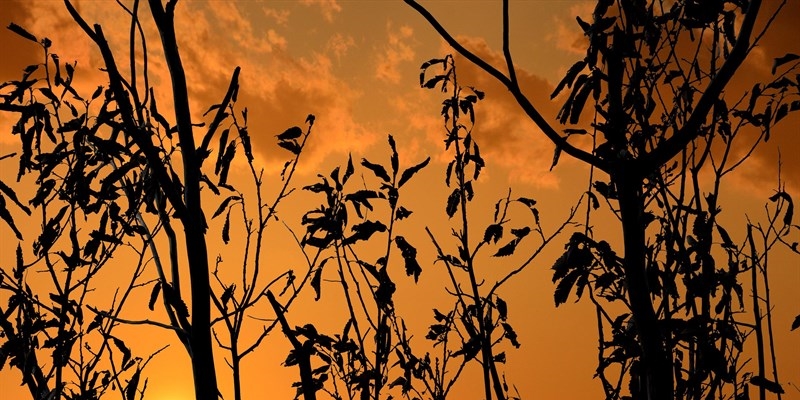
(657, 73)
(115, 173)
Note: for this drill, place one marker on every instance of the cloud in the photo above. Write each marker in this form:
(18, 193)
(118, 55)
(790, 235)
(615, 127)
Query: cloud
(279, 89)
(329, 8)
(339, 44)
(396, 51)
(281, 17)
(568, 36)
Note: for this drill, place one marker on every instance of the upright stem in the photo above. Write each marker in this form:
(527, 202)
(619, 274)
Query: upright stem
(656, 364)
(204, 373)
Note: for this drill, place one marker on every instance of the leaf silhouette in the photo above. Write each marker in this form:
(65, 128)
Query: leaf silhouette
(154, 296)
(22, 32)
(291, 133)
(786, 58)
(493, 233)
(408, 173)
(452, 202)
(376, 169)
(508, 249)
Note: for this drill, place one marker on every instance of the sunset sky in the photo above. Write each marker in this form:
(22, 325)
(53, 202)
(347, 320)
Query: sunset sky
(355, 66)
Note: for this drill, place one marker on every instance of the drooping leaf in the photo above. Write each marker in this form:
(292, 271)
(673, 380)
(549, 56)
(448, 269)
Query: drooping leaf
(154, 296)
(376, 169)
(316, 280)
(502, 308)
(227, 294)
(224, 205)
(569, 77)
(226, 228)
(409, 254)
(349, 170)
(452, 202)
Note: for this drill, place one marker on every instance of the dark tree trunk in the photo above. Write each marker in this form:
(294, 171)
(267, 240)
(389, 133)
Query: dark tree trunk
(656, 365)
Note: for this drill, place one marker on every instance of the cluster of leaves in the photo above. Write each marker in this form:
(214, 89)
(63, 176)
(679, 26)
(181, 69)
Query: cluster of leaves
(84, 171)
(693, 269)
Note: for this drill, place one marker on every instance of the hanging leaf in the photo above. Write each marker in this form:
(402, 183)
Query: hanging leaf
(556, 156)
(502, 308)
(408, 173)
(409, 254)
(290, 145)
(316, 280)
(154, 296)
(452, 202)
(226, 228)
(568, 78)
(227, 294)
(224, 205)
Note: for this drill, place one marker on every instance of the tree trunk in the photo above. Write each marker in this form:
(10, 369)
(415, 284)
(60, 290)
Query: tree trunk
(205, 379)
(656, 365)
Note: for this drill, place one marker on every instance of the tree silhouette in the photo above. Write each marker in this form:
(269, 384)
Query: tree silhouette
(657, 73)
(114, 174)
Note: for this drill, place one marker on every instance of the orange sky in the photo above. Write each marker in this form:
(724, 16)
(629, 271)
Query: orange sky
(355, 65)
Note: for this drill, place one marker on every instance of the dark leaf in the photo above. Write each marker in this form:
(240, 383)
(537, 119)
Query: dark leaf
(154, 296)
(521, 233)
(409, 254)
(789, 57)
(226, 229)
(568, 78)
(378, 170)
(290, 145)
(133, 383)
(402, 213)
(227, 294)
(394, 159)
(6, 216)
(493, 233)
(408, 173)
(224, 205)
(528, 202)
(291, 133)
(502, 308)
(556, 156)
(767, 384)
(452, 202)
(508, 249)
(796, 323)
(509, 333)
(126, 352)
(22, 32)
(316, 280)
(348, 172)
